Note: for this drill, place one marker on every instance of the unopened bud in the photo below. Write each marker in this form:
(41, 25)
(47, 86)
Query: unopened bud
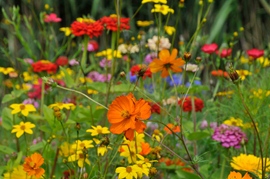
(78, 126)
(187, 56)
(122, 74)
(198, 59)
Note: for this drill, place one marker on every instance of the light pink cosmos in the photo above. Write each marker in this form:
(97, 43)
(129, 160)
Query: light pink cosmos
(52, 18)
(209, 48)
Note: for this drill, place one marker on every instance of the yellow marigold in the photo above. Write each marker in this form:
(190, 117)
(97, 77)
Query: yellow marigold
(164, 9)
(154, 1)
(144, 23)
(234, 122)
(7, 70)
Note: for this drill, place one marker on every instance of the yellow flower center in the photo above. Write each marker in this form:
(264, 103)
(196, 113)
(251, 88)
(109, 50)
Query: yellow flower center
(99, 131)
(125, 114)
(22, 106)
(81, 156)
(156, 132)
(23, 127)
(129, 169)
(32, 164)
(82, 145)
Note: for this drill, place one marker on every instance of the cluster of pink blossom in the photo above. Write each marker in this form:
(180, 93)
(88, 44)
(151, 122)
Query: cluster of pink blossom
(229, 136)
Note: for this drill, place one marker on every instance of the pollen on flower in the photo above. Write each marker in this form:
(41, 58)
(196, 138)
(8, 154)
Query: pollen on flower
(125, 114)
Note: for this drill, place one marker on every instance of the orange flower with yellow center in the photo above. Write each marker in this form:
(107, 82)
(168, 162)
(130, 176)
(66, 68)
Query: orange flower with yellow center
(126, 114)
(32, 165)
(167, 62)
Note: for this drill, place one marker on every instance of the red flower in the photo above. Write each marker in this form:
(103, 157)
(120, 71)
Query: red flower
(220, 73)
(225, 53)
(155, 108)
(255, 53)
(52, 18)
(110, 23)
(90, 28)
(187, 104)
(61, 61)
(141, 71)
(94, 45)
(209, 48)
(44, 65)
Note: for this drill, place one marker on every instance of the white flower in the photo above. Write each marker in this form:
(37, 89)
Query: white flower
(158, 43)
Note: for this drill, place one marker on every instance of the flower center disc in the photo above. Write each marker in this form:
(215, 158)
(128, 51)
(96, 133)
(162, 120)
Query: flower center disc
(125, 114)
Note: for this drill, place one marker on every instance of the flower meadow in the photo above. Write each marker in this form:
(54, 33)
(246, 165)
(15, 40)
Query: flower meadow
(123, 95)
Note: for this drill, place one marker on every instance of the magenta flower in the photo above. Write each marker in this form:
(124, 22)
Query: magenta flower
(52, 18)
(225, 53)
(229, 136)
(209, 48)
(255, 53)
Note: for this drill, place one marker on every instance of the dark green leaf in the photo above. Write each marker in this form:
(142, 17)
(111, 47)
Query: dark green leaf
(198, 135)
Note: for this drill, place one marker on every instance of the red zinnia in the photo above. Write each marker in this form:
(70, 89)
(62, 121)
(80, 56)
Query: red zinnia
(186, 104)
(52, 18)
(141, 71)
(111, 23)
(225, 53)
(44, 65)
(255, 53)
(209, 48)
(90, 28)
(220, 73)
(61, 61)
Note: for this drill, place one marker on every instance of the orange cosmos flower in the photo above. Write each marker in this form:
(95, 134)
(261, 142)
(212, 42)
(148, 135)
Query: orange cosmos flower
(165, 62)
(126, 114)
(237, 175)
(32, 165)
(173, 128)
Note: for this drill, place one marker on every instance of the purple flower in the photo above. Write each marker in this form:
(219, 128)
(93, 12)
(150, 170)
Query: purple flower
(105, 63)
(31, 101)
(204, 124)
(95, 76)
(213, 125)
(73, 62)
(229, 136)
(148, 58)
(28, 60)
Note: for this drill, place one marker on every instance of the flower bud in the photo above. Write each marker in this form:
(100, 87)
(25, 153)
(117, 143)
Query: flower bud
(187, 56)
(198, 59)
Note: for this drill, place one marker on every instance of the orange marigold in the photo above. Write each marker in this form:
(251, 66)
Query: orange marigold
(237, 175)
(126, 114)
(166, 62)
(32, 165)
(171, 127)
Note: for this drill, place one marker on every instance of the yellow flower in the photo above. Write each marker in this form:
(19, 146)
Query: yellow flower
(7, 70)
(249, 163)
(169, 29)
(102, 147)
(157, 135)
(154, 1)
(18, 173)
(144, 23)
(244, 60)
(109, 54)
(81, 157)
(164, 9)
(61, 105)
(128, 172)
(86, 20)
(23, 108)
(98, 130)
(237, 175)
(90, 91)
(234, 122)
(66, 30)
(243, 73)
(81, 145)
(66, 149)
(130, 150)
(22, 128)
(264, 61)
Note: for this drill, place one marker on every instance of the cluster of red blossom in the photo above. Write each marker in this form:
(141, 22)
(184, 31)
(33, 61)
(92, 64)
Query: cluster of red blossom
(213, 48)
(186, 104)
(93, 28)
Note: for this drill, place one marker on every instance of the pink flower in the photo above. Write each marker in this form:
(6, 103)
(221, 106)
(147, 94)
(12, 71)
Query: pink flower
(52, 18)
(225, 53)
(209, 48)
(255, 53)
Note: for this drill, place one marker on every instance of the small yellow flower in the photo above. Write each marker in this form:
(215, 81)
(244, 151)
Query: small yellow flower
(98, 130)
(154, 1)
(108, 53)
(128, 172)
(61, 105)
(169, 29)
(66, 149)
(86, 20)
(264, 61)
(23, 108)
(243, 73)
(90, 91)
(66, 30)
(144, 23)
(81, 145)
(81, 157)
(102, 148)
(234, 122)
(18, 173)
(130, 150)
(7, 70)
(22, 128)
(157, 135)
(164, 9)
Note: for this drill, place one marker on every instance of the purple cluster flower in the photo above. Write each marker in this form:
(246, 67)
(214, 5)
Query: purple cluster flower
(96, 76)
(229, 136)
(105, 63)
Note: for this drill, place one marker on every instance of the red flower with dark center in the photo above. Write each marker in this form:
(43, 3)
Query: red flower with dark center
(61, 61)
(92, 29)
(111, 23)
(186, 104)
(255, 53)
(44, 66)
(209, 48)
(225, 53)
(141, 71)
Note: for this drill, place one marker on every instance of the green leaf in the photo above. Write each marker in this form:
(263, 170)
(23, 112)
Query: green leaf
(184, 175)
(48, 114)
(19, 158)
(67, 78)
(98, 86)
(7, 118)
(121, 88)
(198, 135)
(37, 146)
(6, 150)
(14, 95)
